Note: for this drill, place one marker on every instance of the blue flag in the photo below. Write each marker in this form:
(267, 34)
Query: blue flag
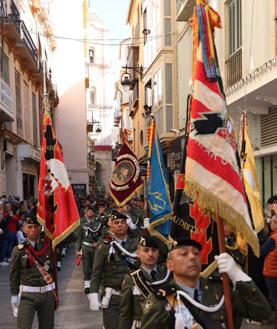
(157, 193)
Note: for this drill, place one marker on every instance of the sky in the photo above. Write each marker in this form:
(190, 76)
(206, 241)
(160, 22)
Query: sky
(113, 13)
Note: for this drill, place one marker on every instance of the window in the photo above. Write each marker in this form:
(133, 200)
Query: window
(234, 62)
(4, 67)
(157, 90)
(168, 88)
(91, 55)
(234, 15)
(152, 28)
(19, 121)
(26, 111)
(35, 118)
(93, 96)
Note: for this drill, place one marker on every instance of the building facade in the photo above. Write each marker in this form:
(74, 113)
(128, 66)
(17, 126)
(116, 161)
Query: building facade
(27, 39)
(246, 47)
(69, 72)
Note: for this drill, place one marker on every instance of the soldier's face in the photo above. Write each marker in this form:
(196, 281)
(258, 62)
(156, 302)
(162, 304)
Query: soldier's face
(147, 255)
(118, 226)
(185, 262)
(32, 231)
(89, 213)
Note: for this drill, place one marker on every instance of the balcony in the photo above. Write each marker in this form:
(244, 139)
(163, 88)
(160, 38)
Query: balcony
(28, 151)
(20, 40)
(184, 9)
(6, 112)
(117, 117)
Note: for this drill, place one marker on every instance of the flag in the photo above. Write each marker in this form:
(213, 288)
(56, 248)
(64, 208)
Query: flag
(157, 193)
(212, 172)
(57, 210)
(249, 176)
(126, 178)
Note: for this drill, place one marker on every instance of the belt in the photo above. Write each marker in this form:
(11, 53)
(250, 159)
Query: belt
(43, 289)
(87, 244)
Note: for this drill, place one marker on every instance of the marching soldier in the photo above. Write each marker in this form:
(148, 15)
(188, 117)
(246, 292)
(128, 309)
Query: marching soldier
(32, 280)
(89, 232)
(136, 286)
(103, 217)
(190, 301)
(114, 257)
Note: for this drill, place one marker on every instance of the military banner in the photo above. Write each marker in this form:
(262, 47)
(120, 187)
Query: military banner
(157, 193)
(212, 171)
(126, 178)
(57, 209)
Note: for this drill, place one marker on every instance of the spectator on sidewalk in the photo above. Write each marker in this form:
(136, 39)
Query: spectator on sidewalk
(269, 252)
(11, 229)
(3, 237)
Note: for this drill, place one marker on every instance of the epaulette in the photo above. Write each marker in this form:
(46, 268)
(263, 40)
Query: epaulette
(165, 291)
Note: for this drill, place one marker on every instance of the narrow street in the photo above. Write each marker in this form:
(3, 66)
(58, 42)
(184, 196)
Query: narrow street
(74, 308)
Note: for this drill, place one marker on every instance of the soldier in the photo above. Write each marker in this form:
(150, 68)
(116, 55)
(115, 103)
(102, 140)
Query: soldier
(103, 217)
(188, 298)
(89, 232)
(32, 280)
(114, 257)
(136, 286)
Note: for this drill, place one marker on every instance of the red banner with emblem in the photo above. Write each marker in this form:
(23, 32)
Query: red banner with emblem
(126, 178)
(57, 210)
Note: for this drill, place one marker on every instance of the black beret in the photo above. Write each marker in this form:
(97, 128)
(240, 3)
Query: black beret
(30, 217)
(178, 243)
(149, 241)
(118, 215)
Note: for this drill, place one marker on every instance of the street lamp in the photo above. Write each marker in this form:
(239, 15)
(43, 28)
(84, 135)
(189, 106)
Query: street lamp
(126, 81)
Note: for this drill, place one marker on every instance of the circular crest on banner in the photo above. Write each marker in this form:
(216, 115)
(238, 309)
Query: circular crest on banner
(125, 171)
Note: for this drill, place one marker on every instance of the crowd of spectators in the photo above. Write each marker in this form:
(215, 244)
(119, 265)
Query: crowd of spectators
(12, 209)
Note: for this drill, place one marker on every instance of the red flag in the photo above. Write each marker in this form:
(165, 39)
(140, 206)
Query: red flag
(212, 173)
(57, 210)
(126, 179)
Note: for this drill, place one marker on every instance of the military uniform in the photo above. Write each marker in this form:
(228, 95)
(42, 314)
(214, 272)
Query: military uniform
(133, 295)
(89, 233)
(27, 281)
(109, 269)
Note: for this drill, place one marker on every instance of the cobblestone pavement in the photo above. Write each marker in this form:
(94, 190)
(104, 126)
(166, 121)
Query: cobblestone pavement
(74, 309)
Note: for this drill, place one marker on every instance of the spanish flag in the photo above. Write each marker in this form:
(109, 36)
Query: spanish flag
(249, 176)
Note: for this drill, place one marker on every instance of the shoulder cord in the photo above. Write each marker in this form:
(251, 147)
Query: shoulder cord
(209, 309)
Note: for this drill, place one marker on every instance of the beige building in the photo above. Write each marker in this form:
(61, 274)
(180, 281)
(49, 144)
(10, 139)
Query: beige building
(151, 63)
(27, 40)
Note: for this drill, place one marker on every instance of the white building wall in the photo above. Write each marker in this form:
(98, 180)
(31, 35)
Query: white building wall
(69, 75)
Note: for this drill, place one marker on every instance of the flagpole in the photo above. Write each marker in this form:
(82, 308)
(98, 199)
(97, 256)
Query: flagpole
(225, 278)
(54, 253)
(179, 191)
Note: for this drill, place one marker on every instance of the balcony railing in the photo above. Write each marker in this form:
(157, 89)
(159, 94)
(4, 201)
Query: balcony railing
(27, 39)
(234, 68)
(14, 15)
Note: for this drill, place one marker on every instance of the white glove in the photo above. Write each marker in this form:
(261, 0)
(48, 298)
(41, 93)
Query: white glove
(94, 304)
(226, 264)
(146, 222)
(15, 303)
(130, 223)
